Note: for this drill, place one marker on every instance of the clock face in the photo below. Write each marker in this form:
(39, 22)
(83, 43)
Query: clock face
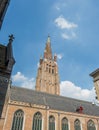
(3, 80)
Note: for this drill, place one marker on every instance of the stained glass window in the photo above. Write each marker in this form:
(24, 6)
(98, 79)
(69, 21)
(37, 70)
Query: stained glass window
(51, 123)
(91, 125)
(77, 125)
(18, 120)
(37, 121)
(65, 124)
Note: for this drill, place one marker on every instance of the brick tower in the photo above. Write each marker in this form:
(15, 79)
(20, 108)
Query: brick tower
(6, 64)
(95, 76)
(3, 8)
(47, 77)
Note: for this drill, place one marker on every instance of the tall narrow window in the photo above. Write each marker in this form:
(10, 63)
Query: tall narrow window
(51, 123)
(65, 124)
(91, 125)
(37, 121)
(49, 70)
(77, 125)
(52, 71)
(18, 120)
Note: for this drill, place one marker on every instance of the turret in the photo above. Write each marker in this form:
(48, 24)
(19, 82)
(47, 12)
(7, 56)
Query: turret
(10, 59)
(55, 58)
(6, 64)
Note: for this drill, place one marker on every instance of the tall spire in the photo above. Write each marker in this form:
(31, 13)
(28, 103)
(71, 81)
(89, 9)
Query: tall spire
(47, 79)
(48, 50)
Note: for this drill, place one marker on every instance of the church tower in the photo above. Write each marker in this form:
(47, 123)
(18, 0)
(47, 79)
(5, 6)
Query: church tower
(47, 77)
(6, 64)
(95, 76)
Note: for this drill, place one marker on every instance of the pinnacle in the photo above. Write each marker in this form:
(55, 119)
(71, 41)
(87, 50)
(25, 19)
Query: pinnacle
(48, 39)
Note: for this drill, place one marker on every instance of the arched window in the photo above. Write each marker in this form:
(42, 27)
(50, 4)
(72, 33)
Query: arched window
(18, 120)
(77, 125)
(51, 123)
(37, 121)
(65, 124)
(91, 125)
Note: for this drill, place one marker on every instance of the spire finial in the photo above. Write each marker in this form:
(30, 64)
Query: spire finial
(11, 38)
(48, 39)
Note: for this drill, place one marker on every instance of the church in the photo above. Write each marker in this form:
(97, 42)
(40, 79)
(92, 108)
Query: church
(43, 108)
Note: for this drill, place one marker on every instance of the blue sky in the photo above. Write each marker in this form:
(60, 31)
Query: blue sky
(73, 26)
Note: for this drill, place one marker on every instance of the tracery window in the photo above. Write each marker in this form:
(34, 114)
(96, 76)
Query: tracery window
(65, 124)
(18, 120)
(91, 125)
(37, 121)
(51, 123)
(77, 125)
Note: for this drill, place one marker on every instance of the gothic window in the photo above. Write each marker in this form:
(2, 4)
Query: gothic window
(65, 124)
(37, 121)
(77, 125)
(51, 123)
(52, 71)
(49, 70)
(18, 120)
(47, 67)
(91, 125)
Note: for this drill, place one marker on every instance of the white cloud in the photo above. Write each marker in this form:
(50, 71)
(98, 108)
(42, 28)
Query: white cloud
(66, 28)
(22, 81)
(59, 56)
(62, 23)
(19, 77)
(65, 36)
(60, 5)
(68, 36)
(57, 7)
(69, 89)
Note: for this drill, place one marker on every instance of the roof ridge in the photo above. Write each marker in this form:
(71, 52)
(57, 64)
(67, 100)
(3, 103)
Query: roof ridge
(58, 96)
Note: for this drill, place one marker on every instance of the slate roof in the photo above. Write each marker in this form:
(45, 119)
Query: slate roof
(54, 102)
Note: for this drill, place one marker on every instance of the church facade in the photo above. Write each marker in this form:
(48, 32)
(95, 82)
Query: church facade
(43, 108)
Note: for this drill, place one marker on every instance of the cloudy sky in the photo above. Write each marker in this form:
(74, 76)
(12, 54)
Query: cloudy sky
(73, 26)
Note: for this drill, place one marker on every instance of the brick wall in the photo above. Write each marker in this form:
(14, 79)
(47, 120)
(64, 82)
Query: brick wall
(46, 112)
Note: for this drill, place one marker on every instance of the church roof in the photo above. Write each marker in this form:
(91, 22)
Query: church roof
(54, 102)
